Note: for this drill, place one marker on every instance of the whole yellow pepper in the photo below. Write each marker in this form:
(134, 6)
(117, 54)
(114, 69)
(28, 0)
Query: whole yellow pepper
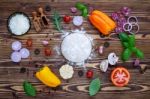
(46, 76)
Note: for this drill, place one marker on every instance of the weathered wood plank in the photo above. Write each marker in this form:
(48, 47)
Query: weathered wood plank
(11, 79)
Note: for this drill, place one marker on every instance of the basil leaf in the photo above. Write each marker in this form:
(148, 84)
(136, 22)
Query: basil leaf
(133, 49)
(80, 6)
(139, 54)
(85, 12)
(125, 44)
(132, 40)
(123, 37)
(94, 86)
(29, 89)
(126, 54)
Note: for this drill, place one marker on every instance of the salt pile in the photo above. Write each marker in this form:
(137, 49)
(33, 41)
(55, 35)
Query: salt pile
(76, 47)
(19, 24)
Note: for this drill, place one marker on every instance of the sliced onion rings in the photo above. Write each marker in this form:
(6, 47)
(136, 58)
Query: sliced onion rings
(135, 30)
(130, 25)
(127, 26)
(132, 19)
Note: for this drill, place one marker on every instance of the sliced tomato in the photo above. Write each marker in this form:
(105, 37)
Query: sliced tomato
(120, 76)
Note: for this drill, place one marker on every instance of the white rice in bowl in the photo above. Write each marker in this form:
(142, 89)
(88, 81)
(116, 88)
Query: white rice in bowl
(18, 24)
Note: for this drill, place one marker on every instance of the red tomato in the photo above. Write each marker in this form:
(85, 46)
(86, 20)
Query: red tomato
(89, 74)
(47, 51)
(67, 19)
(120, 76)
(29, 43)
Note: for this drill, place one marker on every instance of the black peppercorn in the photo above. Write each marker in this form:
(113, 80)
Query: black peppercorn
(102, 36)
(22, 70)
(36, 51)
(47, 8)
(80, 73)
(106, 44)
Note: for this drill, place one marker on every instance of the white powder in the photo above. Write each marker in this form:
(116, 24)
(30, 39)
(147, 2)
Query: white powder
(76, 47)
(19, 24)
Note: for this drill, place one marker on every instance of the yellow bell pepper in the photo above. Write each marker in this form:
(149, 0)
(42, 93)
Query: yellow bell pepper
(46, 76)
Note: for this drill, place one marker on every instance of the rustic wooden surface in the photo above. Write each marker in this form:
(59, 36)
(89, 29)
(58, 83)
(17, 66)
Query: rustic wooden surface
(76, 88)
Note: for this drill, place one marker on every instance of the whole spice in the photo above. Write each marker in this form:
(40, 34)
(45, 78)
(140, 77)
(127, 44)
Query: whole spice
(106, 44)
(46, 76)
(89, 74)
(80, 73)
(101, 49)
(36, 51)
(73, 9)
(143, 68)
(67, 19)
(29, 42)
(102, 22)
(23, 70)
(136, 62)
(29, 89)
(47, 51)
(47, 8)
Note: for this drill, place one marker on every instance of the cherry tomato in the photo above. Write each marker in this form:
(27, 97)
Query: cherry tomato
(120, 76)
(89, 74)
(67, 19)
(47, 51)
(29, 43)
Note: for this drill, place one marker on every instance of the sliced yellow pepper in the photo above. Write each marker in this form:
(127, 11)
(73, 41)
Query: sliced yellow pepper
(46, 76)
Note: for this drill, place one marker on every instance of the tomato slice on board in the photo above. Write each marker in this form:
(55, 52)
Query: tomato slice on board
(120, 76)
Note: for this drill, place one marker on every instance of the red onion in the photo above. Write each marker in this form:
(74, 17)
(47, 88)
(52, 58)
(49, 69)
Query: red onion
(137, 62)
(114, 16)
(118, 30)
(125, 11)
(73, 9)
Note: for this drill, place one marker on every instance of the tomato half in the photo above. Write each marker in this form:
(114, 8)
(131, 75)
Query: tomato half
(120, 76)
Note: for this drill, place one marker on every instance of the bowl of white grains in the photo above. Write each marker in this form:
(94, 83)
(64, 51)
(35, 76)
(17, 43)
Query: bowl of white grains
(18, 23)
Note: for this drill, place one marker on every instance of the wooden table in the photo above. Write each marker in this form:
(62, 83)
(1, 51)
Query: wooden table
(76, 88)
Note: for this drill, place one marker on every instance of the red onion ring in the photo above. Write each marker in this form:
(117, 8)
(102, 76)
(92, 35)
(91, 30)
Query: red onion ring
(129, 26)
(134, 25)
(132, 18)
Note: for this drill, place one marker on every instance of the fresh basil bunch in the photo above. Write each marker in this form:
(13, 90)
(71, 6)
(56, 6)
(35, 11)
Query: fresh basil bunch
(128, 42)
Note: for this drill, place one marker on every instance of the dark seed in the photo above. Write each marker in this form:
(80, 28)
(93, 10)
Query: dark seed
(102, 36)
(137, 62)
(22, 70)
(106, 44)
(36, 65)
(36, 51)
(143, 68)
(47, 8)
(80, 73)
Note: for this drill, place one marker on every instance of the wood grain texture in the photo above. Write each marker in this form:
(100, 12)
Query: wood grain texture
(76, 88)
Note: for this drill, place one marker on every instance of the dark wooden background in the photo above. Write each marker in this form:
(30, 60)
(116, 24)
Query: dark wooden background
(76, 88)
